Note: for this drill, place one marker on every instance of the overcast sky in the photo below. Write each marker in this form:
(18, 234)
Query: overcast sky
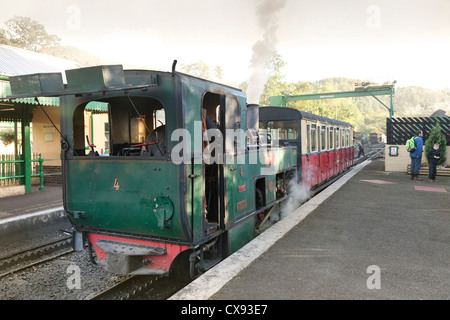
(374, 40)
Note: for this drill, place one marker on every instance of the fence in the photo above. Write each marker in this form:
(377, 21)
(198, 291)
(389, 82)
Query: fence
(401, 129)
(8, 169)
(12, 169)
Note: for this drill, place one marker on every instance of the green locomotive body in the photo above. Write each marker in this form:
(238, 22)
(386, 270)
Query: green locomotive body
(151, 201)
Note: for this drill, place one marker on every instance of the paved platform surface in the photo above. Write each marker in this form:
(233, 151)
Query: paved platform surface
(379, 236)
(31, 212)
(35, 201)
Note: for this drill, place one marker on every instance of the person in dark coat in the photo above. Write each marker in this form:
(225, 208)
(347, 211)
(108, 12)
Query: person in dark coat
(416, 156)
(361, 149)
(433, 158)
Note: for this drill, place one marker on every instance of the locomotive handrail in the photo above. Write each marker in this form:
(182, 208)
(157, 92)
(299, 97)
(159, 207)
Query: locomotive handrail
(258, 144)
(144, 144)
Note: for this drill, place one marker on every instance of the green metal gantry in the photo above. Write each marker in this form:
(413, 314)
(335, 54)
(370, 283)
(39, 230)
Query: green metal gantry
(360, 91)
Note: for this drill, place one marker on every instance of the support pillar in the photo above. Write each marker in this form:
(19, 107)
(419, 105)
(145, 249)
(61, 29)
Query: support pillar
(26, 146)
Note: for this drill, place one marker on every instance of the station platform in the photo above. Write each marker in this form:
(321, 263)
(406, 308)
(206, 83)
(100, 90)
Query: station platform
(37, 200)
(370, 235)
(25, 212)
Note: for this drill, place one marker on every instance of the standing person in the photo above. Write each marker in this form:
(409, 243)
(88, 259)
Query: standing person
(211, 172)
(433, 158)
(361, 150)
(416, 156)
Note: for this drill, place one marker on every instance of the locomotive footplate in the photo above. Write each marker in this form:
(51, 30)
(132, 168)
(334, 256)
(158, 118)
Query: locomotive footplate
(128, 258)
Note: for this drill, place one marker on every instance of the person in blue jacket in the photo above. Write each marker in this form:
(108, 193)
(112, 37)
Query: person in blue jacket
(416, 156)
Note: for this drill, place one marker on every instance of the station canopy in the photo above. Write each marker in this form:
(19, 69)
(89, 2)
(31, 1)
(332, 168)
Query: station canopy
(16, 62)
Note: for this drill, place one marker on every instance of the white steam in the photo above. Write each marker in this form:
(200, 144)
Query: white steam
(299, 193)
(263, 50)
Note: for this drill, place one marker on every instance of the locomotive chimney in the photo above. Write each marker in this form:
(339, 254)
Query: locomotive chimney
(253, 117)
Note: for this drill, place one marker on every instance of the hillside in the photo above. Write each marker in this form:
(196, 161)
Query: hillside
(408, 102)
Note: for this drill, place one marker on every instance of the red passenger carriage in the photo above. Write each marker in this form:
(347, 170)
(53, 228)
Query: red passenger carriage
(326, 145)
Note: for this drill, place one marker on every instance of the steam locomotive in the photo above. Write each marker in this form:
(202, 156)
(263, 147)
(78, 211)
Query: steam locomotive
(169, 173)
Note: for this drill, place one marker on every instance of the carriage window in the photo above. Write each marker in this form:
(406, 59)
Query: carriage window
(308, 138)
(283, 129)
(313, 138)
(331, 138)
(116, 128)
(342, 137)
(323, 138)
(348, 137)
(337, 138)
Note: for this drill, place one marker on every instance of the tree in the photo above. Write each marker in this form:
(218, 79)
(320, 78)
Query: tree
(276, 84)
(25, 33)
(437, 137)
(344, 110)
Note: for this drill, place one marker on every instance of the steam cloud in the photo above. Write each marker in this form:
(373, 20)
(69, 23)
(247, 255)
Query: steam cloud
(298, 194)
(263, 50)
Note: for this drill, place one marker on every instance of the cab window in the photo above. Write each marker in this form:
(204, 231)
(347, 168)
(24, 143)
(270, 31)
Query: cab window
(114, 127)
(283, 129)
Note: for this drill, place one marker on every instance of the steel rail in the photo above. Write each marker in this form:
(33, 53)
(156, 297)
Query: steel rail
(35, 255)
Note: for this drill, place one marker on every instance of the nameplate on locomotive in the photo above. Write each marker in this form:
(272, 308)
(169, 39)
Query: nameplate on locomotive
(241, 205)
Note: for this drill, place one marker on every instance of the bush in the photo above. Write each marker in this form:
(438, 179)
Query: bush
(7, 136)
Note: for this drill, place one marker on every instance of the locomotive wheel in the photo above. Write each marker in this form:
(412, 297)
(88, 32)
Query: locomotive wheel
(181, 267)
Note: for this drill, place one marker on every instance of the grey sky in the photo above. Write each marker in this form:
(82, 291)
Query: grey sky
(378, 40)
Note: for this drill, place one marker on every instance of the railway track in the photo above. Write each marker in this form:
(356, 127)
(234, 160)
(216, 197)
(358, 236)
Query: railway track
(141, 288)
(31, 256)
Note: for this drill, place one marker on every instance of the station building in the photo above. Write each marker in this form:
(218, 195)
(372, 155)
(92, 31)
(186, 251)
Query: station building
(35, 128)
